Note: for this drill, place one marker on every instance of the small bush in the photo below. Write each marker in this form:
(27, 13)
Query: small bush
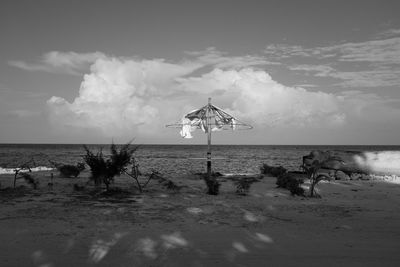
(212, 185)
(68, 171)
(272, 170)
(243, 185)
(290, 182)
(312, 169)
(295, 188)
(211, 182)
(104, 170)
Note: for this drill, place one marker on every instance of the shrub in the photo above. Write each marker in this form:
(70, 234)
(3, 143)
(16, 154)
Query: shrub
(312, 169)
(272, 170)
(211, 182)
(70, 170)
(104, 170)
(290, 182)
(212, 185)
(243, 185)
(98, 167)
(295, 188)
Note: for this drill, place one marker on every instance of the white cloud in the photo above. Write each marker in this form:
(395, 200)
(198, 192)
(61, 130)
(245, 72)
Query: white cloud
(374, 78)
(254, 95)
(306, 85)
(353, 79)
(218, 59)
(77, 63)
(280, 51)
(121, 95)
(55, 61)
(386, 51)
(319, 70)
(373, 63)
(389, 33)
(125, 97)
(370, 109)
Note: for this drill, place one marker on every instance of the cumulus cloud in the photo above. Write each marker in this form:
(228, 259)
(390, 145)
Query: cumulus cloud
(125, 97)
(121, 95)
(371, 110)
(254, 95)
(55, 61)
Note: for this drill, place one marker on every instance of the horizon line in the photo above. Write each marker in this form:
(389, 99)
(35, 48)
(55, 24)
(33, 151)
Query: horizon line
(176, 144)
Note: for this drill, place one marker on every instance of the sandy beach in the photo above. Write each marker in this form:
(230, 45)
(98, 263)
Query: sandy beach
(355, 223)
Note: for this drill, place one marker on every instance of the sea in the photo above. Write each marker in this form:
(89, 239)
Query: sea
(174, 159)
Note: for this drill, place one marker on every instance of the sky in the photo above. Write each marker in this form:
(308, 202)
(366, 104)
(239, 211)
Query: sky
(300, 72)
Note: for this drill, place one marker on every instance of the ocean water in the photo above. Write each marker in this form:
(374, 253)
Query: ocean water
(179, 159)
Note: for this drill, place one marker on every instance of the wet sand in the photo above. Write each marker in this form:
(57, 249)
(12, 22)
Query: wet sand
(355, 223)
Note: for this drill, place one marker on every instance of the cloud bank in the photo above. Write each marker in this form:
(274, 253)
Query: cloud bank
(125, 97)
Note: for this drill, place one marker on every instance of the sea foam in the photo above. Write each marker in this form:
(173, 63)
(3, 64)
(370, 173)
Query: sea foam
(35, 169)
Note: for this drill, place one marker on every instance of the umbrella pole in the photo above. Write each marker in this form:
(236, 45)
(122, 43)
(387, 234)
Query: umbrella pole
(209, 139)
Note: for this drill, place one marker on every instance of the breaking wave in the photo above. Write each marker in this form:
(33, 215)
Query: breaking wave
(380, 162)
(35, 169)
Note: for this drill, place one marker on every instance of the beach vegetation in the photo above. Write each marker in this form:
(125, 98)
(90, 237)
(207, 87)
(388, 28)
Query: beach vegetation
(102, 169)
(22, 172)
(243, 184)
(211, 182)
(313, 171)
(67, 170)
(291, 182)
(272, 170)
(135, 173)
(212, 186)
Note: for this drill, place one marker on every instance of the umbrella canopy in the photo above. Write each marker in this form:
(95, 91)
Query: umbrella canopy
(208, 118)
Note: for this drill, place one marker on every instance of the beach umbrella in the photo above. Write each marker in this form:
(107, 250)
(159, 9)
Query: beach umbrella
(209, 119)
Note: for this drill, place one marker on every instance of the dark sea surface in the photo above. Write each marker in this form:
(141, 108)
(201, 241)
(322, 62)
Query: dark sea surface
(170, 159)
